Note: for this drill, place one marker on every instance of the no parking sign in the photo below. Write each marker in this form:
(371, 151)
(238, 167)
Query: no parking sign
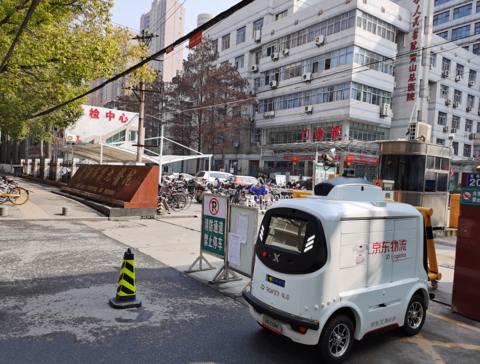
(214, 225)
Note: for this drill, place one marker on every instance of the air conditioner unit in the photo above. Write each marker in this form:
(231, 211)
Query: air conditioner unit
(71, 138)
(257, 143)
(458, 78)
(469, 108)
(384, 110)
(472, 136)
(269, 114)
(253, 93)
(255, 68)
(235, 145)
(471, 83)
(257, 36)
(445, 129)
(309, 109)
(448, 102)
(417, 129)
(431, 66)
(320, 40)
(453, 130)
(273, 84)
(251, 119)
(456, 104)
(445, 74)
(274, 56)
(286, 51)
(307, 76)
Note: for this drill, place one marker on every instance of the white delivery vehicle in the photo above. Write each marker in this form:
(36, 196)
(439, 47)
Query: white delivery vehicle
(339, 265)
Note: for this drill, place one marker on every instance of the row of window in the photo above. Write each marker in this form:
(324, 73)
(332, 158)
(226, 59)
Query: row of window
(459, 70)
(457, 96)
(343, 91)
(241, 35)
(376, 26)
(461, 32)
(327, 61)
(322, 132)
(307, 35)
(467, 148)
(456, 123)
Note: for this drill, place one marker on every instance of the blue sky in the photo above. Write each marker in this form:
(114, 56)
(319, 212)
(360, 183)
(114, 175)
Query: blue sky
(128, 12)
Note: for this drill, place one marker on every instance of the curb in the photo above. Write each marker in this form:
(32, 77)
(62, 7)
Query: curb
(161, 217)
(444, 233)
(55, 219)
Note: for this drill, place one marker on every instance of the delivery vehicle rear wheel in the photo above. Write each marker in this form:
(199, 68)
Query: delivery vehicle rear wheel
(415, 315)
(336, 340)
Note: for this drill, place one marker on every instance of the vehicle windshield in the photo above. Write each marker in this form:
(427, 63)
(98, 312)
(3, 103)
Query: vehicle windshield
(200, 174)
(287, 233)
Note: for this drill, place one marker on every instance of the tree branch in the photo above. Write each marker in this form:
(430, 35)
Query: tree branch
(30, 12)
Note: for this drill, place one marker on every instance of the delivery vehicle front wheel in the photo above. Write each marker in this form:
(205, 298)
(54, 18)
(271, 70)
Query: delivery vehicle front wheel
(336, 339)
(415, 316)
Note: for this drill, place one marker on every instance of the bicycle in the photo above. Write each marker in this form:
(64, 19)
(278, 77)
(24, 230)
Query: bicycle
(11, 191)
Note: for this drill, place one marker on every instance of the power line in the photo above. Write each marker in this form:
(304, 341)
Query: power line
(220, 17)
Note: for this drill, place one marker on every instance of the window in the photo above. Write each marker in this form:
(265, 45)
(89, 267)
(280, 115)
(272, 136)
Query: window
(455, 122)
(444, 34)
(376, 26)
(441, 18)
(369, 94)
(457, 96)
(433, 59)
(446, 64)
(470, 100)
(225, 42)
(455, 148)
(373, 60)
(257, 136)
(281, 15)
(478, 6)
(442, 118)
(467, 150)
(440, 141)
(257, 25)
(256, 83)
(468, 125)
(476, 49)
(478, 127)
(467, 48)
(444, 91)
(133, 135)
(258, 57)
(288, 134)
(367, 132)
(462, 11)
(241, 35)
(215, 45)
(239, 62)
(460, 69)
(461, 32)
(477, 28)
(287, 233)
(117, 138)
(472, 76)
(440, 2)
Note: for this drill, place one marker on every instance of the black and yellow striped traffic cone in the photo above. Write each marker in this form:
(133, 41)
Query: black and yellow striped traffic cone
(126, 297)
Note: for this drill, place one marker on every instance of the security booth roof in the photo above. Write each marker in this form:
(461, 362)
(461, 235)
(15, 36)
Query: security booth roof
(114, 154)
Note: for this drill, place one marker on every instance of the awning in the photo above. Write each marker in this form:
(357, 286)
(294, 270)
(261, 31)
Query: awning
(114, 154)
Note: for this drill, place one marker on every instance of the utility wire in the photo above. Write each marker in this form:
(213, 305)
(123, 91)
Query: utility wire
(225, 14)
(220, 17)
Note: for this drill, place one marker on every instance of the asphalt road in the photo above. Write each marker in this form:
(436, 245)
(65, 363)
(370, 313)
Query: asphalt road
(57, 278)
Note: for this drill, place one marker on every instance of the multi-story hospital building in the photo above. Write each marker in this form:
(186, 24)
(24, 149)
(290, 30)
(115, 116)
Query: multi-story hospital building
(344, 74)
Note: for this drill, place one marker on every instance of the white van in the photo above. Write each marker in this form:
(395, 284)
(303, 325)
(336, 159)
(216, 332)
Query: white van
(338, 266)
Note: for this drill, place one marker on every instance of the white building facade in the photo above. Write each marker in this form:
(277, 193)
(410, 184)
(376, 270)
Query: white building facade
(166, 19)
(332, 75)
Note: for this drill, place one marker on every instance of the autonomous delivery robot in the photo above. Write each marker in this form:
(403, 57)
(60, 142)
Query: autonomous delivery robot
(338, 266)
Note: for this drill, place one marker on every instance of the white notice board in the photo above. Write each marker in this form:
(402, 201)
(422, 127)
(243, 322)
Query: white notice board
(243, 223)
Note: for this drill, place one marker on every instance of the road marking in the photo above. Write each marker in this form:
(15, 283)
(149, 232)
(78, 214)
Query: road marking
(427, 346)
(31, 210)
(474, 328)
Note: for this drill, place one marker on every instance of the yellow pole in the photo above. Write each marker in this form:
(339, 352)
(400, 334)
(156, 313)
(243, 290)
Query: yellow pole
(433, 274)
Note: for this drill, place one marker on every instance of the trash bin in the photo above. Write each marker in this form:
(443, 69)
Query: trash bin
(17, 171)
(454, 210)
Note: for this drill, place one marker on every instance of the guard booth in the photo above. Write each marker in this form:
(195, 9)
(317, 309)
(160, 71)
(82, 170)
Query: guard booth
(420, 172)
